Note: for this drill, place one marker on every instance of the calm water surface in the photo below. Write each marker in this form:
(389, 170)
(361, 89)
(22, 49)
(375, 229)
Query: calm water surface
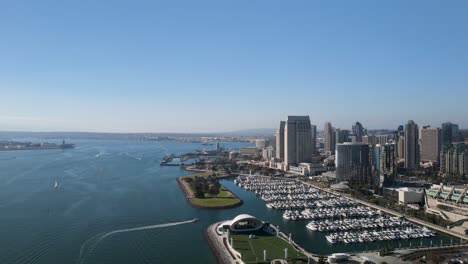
(106, 189)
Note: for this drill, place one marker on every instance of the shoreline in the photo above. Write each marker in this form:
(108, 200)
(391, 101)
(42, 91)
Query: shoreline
(217, 249)
(189, 196)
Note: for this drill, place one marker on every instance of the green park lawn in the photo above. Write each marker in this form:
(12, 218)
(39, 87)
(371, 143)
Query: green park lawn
(252, 248)
(223, 198)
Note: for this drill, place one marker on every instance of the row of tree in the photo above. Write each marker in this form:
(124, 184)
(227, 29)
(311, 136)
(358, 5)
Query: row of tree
(205, 185)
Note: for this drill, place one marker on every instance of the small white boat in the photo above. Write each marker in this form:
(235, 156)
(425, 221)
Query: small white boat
(55, 185)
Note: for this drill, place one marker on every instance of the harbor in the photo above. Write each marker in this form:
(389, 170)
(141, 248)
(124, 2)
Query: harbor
(341, 222)
(108, 180)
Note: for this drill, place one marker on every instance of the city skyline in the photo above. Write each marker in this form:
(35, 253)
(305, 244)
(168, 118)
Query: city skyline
(216, 66)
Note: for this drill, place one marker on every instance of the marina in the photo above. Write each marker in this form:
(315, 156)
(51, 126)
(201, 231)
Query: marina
(382, 235)
(324, 213)
(343, 220)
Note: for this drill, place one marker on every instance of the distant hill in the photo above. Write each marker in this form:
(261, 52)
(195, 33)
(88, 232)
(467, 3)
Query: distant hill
(93, 135)
(128, 136)
(250, 132)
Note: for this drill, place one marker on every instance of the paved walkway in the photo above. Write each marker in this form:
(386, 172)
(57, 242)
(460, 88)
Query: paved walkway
(217, 243)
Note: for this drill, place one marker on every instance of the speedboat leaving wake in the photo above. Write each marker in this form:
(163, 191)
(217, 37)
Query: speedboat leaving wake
(98, 238)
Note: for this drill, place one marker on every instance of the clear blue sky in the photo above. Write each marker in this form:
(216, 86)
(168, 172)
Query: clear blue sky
(223, 65)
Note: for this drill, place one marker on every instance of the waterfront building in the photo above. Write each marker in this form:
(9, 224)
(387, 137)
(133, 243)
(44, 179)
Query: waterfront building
(430, 144)
(299, 141)
(260, 143)
(243, 223)
(410, 195)
(329, 139)
(341, 136)
(411, 146)
(353, 163)
(277, 165)
(301, 169)
(454, 200)
(280, 141)
(358, 131)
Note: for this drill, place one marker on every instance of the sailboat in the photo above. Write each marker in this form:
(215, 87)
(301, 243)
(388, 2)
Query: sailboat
(55, 184)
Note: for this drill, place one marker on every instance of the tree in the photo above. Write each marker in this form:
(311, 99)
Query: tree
(199, 191)
(214, 190)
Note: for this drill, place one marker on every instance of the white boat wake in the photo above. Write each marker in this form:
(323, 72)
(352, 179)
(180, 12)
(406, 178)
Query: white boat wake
(98, 238)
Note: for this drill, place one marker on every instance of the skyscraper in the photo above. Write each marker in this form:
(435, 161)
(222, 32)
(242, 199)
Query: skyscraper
(384, 164)
(298, 140)
(453, 159)
(401, 147)
(341, 135)
(411, 145)
(358, 131)
(449, 134)
(329, 138)
(353, 163)
(430, 144)
(313, 129)
(280, 141)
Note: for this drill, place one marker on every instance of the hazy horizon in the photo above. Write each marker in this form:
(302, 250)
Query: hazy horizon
(204, 66)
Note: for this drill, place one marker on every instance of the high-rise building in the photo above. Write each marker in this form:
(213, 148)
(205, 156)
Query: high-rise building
(341, 136)
(313, 129)
(454, 159)
(369, 140)
(400, 129)
(382, 139)
(298, 140)
(455, 133)
(449, 133)
(358, 131)
(268, 153)
(384, 162)
(388, 162)
(411, 146)
(353, 163)
(401, 147)
(430, 144)
(280, 141)
(329, 138)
